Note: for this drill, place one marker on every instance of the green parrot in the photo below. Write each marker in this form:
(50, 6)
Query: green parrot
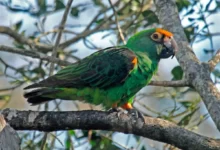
(111, 76)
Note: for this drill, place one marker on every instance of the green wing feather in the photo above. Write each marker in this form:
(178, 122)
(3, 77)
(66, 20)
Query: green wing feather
(103, 69)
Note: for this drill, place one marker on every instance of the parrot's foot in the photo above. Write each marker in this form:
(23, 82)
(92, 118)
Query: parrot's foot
(136, 114)
(115, 109)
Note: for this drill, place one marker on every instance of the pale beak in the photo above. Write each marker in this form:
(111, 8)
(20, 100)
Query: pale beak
(169, 47)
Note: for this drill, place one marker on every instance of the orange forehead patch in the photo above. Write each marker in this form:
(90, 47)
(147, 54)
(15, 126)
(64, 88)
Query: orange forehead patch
(165, 32)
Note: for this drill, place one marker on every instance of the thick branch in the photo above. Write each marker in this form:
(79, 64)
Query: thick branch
(156, 129)
(197, 73)
(33, 54)
(214, 61)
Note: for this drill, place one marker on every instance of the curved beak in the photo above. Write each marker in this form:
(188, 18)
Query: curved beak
(169, 47)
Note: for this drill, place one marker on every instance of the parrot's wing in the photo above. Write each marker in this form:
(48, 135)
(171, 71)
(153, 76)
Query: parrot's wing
(103, 69)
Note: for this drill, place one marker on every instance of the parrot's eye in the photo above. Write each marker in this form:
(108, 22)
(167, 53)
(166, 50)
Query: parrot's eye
(156, 36)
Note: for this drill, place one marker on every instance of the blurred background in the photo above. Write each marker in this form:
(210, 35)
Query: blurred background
(90, 27)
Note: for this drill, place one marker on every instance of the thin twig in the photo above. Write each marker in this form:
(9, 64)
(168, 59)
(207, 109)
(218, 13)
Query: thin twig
(56, 46)
(10, 88)
(117, 23)
(23, 40)
(33, 54)
(178, 83)
(44, 141)
(104, 25)
(62, 24)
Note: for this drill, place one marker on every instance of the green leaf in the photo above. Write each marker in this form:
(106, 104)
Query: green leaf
(185, 120)
(18, 45)
(189, 12)
(75, 12)
(208, 5)
(68, 143)
(59, 5)
(42, 5)
(18, 25)
(5, 97)
(72, 132)
(191, 19)
(177, 73)
(98, 2)
(216, 72)
(208, 51)
(181, 4)
(150, 16)
(99, 21)
(186, 104)
(39, 71)
(189, 31)
(218, 4)
(143, 148)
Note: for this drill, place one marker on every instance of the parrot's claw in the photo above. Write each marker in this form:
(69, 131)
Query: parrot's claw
(115, 109)
(118, 110)
(136, 114)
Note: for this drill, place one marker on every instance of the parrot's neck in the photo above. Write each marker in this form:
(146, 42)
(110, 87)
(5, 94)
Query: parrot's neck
(146, 49)
(146, 64)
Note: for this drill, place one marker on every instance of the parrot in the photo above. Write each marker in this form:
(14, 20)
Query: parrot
(111, 76)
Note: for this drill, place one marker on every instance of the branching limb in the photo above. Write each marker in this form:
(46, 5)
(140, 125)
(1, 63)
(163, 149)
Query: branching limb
(214, 61)
(117, 23)
(153, 128)
(33, 54)
(23, 40)
(197, 73)
(62, 24)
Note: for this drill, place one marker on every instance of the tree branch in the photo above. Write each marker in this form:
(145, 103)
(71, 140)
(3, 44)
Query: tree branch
(117, 23)
(62, 24)
(214, 61)
(178, 83)
(153, 128)
(23, 40)
(33, 54)
(196, 73)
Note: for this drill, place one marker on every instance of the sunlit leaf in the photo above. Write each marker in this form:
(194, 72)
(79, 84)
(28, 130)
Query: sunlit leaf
(150, 16)
(177, 73)
(216, 72)
(59, 5)
(5, 97)
(186, 119)
(18, 25)
(181, 4)
(74, 12)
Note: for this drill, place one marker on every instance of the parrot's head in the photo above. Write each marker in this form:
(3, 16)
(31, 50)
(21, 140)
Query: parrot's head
(157, 42)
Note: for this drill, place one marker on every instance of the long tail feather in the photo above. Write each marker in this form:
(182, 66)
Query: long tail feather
(39, 96)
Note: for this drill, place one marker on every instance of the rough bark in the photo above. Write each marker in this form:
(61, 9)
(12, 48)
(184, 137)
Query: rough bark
(153, 128)
(9, 139)
(196, 72)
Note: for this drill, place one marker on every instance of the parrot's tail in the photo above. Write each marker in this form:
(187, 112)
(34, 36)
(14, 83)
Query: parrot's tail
(39, 96)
